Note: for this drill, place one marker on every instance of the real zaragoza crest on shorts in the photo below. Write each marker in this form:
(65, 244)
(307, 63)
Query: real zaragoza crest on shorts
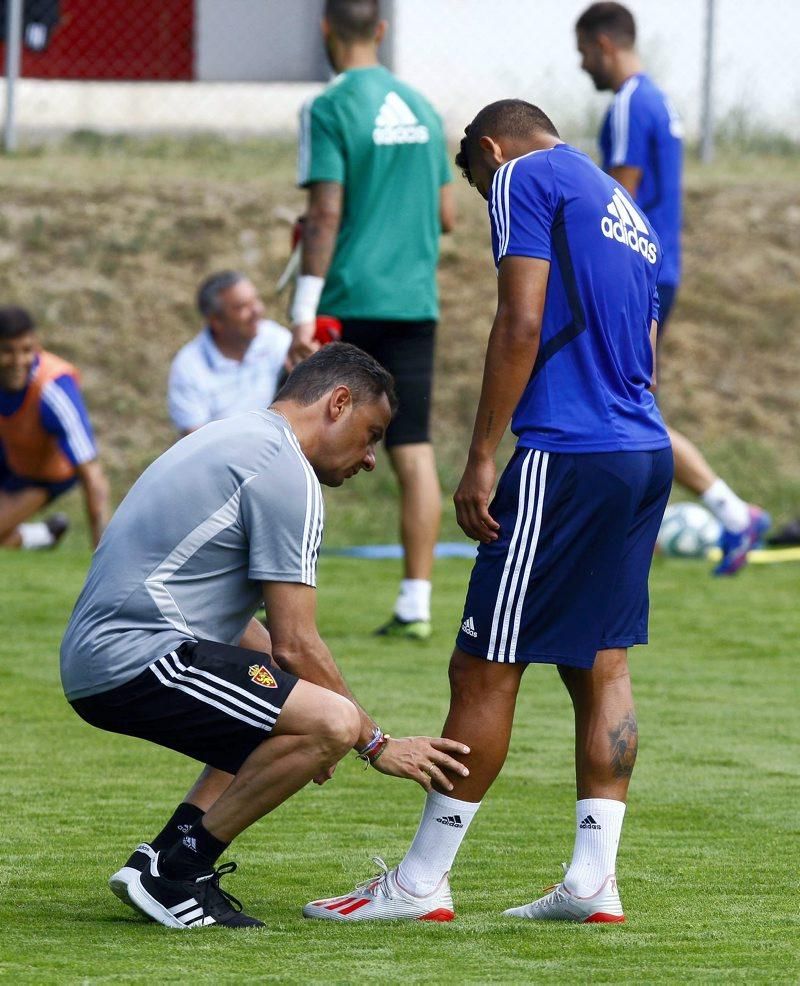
(262, 676)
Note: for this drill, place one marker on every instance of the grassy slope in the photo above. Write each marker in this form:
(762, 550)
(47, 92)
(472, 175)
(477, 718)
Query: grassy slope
(106, 240)
(709, 856)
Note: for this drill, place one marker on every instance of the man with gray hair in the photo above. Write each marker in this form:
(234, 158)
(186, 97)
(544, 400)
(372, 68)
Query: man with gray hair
(235, 363)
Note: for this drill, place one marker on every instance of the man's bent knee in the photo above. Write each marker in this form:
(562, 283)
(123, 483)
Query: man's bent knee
(343, 725)
(330, 718)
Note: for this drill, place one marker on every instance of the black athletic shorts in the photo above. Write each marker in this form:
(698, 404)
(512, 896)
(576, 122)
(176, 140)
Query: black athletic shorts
(406, 350)
(213, 702)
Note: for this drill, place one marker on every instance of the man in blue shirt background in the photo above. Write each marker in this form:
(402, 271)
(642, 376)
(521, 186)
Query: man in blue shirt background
(566, 543)
(641, 146)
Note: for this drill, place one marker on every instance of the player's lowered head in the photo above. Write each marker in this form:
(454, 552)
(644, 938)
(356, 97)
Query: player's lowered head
(19, 346)
(339, 403)
(501, 132)
(606, 35)
(352, 31)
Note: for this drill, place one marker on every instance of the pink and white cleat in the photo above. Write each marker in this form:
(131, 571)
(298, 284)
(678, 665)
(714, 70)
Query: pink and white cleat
(603, 907)
(383, 899)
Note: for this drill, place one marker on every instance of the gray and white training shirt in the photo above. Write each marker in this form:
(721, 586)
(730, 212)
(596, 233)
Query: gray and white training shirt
(228, 507)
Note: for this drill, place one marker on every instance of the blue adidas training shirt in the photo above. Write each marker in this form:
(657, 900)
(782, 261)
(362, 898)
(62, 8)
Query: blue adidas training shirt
(642, 130)
(588, 390)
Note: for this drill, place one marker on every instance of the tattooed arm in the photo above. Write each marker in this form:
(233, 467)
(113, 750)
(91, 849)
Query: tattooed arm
(510, 356)
(320, 230)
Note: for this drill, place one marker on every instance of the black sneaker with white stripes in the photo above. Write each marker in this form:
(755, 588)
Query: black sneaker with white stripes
(198, 902)
(138, 861)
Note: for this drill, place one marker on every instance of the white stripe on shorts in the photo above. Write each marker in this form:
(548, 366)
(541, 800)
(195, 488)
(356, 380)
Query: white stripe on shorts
(519, 561)
(183, 683)
(528, 563)
(225, 684)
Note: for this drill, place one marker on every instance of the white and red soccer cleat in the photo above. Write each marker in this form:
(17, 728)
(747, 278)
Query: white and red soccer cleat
(383, 899)
(559, 904)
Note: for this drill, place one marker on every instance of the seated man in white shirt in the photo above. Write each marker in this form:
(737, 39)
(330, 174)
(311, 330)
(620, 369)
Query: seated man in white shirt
(234, 364)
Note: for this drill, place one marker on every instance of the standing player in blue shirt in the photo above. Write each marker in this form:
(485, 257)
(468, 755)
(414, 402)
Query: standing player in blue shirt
(642, 149)
(566, 543)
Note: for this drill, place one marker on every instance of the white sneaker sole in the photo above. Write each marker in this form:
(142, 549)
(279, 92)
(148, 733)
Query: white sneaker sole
(142, 901)
(119, 883)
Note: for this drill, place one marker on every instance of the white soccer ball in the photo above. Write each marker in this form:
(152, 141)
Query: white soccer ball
(688, 531)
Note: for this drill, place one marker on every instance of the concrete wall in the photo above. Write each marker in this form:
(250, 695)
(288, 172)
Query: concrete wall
(259, 40)
(264, 41)
(462, 53)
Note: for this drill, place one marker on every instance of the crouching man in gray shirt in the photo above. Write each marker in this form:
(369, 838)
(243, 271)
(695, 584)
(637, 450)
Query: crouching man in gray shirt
(162, 643)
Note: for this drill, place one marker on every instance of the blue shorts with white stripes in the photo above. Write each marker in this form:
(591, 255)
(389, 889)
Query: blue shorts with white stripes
(213, 702)
(568, 575)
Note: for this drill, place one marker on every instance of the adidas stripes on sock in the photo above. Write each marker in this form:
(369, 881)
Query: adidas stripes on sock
(598, 826)
(194, 853)
(443, 825)
(413, 600)
(183, 818)
(729, 509)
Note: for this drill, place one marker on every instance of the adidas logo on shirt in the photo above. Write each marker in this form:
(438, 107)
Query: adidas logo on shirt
(396, 124)
(589, 823)
(627, 227)
(454, 821)
(469, 627)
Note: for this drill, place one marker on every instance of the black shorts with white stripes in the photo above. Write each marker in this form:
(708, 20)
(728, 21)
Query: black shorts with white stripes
(211, 701)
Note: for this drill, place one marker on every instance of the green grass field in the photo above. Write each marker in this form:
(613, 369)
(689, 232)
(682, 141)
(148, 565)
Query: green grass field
(709, 859)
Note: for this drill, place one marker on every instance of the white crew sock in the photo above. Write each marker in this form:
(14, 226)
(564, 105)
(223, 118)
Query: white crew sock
(598, 826)
(731, 511)
(443, 825)
(413, 600)
(36, 536)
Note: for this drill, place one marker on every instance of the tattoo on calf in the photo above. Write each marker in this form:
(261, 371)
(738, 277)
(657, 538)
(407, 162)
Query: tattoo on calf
(624, 740)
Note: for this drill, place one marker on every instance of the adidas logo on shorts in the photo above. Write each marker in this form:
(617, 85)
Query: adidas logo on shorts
(468, 627)
(454, 821)
(396, 124)
(589, 823)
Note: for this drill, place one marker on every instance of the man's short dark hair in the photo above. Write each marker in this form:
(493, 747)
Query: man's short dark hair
(208, 294)
(608, 18)
(505, 118)
(353, 20)
(335, 364)
(14, 322)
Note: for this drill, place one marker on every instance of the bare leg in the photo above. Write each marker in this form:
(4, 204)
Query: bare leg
(16, 508)
(208, 787)
(315, 730)
(606, 734)
(691, 469)
(483, 696)
(420, 506)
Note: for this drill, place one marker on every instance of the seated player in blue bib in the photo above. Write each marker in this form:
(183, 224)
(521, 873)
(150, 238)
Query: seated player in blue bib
(46, 440)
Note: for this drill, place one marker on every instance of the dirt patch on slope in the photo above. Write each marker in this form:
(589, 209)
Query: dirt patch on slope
(109, 261)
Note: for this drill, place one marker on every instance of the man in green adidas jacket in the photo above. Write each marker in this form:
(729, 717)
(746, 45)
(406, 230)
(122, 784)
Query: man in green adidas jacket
(374, 160)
